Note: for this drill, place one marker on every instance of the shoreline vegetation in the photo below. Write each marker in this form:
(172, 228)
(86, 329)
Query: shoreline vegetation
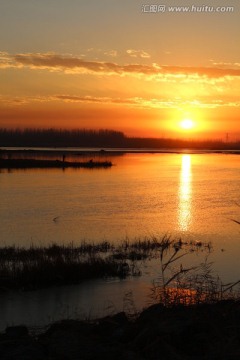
(104, 138)
(41, 163)
(55, 265)
(38, 267)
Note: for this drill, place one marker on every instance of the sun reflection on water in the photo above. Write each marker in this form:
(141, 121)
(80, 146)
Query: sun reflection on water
(185, 194)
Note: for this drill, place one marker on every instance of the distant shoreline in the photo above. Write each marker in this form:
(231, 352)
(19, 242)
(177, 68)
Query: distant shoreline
(6, 151)
(37, 163)
(108, 139)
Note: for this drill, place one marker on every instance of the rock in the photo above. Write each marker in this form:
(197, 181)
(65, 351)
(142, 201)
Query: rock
(17, 344)
(16, 331)
(112, 326)
(151, 312)
(208, 332)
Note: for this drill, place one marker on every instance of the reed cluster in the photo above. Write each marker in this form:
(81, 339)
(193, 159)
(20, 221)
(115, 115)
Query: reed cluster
(39, 266)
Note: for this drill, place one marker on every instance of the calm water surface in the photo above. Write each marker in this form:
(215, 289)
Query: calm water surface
(142, 195)
(192, 196)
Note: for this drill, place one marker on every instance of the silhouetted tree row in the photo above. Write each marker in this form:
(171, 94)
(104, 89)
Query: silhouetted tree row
(61, 138)
(102, 139)
(168, 143)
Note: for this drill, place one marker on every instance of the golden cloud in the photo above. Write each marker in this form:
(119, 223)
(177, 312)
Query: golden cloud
(139, 102)
(138, 53)
(76, 65)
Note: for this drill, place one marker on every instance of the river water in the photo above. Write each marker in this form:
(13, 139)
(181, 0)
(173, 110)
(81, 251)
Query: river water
(192, 196)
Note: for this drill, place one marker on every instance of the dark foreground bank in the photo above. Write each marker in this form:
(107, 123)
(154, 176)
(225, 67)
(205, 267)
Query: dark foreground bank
(207, 331)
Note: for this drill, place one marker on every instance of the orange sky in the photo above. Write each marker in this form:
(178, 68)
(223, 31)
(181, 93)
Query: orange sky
(109, 65)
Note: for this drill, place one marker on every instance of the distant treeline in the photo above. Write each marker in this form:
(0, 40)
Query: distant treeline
(165, 143)
(101, 139)
(61, 138)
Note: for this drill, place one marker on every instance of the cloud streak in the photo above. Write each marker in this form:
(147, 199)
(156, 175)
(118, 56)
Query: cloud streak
(134, 102)
(138, 53)
(76, 65)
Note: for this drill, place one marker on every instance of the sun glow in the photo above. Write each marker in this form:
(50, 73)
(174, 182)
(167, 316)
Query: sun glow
(187, 124)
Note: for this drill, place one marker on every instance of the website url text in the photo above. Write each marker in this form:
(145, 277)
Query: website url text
(160, 8)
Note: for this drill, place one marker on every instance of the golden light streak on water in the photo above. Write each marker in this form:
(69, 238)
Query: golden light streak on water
(185, 194)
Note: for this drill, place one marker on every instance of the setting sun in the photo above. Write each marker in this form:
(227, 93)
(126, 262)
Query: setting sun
(182, 88)
(187, 124)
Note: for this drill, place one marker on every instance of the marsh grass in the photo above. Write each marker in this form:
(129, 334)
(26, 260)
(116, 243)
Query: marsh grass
(188, 285)
(37, 267)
